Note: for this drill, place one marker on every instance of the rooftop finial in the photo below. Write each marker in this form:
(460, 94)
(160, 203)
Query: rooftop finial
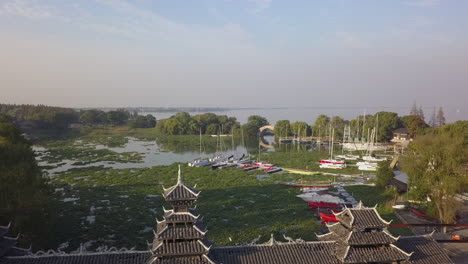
(179, 177)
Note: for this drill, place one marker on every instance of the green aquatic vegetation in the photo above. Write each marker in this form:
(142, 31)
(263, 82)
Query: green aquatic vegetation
(123, 204)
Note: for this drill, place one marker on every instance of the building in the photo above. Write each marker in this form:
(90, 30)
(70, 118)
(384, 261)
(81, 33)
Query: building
(360, 236)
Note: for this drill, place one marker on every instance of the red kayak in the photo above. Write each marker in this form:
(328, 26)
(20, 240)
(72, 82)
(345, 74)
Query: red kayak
(328, 218)
(419, 213)
(323, 205)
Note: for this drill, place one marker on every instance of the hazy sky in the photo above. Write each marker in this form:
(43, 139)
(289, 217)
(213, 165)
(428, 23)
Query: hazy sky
(237, 53)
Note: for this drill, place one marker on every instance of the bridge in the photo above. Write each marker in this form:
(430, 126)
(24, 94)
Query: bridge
(263, 128)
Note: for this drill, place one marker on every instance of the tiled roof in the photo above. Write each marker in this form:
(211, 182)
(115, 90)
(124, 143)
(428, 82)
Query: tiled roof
(180, 217)
(181, 232)
(291, 253)
(186, 248)
(139, 257)
(180, 192)
(426, 250)
(361, 218)
(7, 244)
(370, 238)
(370, 254)
(188, 260)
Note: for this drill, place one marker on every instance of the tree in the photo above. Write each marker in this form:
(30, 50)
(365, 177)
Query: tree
(24, 193)
(118, 117)
(388, 122)
(253, 124)
(432, 121)
(414, 109)
(384, 174)
(282, 128)
(436, 167)
(147, 121)
(421, 113)
(440, 117)
(321, 123)
(212, 129)
(415, 125)
(301, 129)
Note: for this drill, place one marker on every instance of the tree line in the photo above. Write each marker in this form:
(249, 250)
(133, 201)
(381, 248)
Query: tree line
(30, 117)
(24, 193)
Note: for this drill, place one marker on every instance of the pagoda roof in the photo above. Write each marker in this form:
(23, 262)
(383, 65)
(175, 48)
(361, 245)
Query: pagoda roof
(186, 260)
(278, 253)
(425, 249)
(339, 233)
(180, 217)
(390, 253)
(180, 232)
(180, 191)
(184, 248)
(4, 229)
(361, 217)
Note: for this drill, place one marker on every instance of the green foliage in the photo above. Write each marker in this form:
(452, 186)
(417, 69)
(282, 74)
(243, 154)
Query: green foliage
(253, 124)
(93, 117)
(415, 125)
(283, 128)
(436, 166)
(384, 174)
(320, 125)
(184, 124)
(300, 129)
(24, 195)
(40, 116)
(147, 121)
(457, 129)
(118, 117)
(387, 123)
(338, 124)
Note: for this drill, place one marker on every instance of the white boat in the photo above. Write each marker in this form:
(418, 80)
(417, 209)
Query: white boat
(332, 163)
(362, 146)
(367, 166)
(376, 159)
(199, 163)
(347, 157)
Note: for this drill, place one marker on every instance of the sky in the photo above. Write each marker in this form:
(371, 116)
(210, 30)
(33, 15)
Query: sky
(235, 53)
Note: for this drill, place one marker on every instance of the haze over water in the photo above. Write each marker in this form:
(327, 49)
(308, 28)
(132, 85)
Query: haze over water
(246, 53)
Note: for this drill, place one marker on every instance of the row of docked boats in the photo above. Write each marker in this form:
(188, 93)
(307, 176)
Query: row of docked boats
(219, 162)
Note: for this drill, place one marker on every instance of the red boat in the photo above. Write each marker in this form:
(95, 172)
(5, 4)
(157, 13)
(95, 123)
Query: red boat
(332, 161)
(263, 164)
(419, 213)
(323, 205)
(328, 218)
(249, 167)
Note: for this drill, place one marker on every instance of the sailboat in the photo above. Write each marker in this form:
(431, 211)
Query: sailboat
(199, 162)
(332, 163)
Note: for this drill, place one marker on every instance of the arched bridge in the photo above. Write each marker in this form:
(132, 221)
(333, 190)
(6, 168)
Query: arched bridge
(263, 128)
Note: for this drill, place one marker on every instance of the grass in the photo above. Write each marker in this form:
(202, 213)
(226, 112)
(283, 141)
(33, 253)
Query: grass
(235, 205)
(307, 160)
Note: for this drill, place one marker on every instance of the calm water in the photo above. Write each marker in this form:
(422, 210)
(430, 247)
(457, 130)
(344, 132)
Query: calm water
(153, 155)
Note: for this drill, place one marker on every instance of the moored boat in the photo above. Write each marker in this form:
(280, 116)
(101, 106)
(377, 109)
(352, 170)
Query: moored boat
(303, 172)
(306, 185)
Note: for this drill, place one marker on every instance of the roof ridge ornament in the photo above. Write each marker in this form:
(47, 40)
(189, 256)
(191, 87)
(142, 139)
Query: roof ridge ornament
(179, 178)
